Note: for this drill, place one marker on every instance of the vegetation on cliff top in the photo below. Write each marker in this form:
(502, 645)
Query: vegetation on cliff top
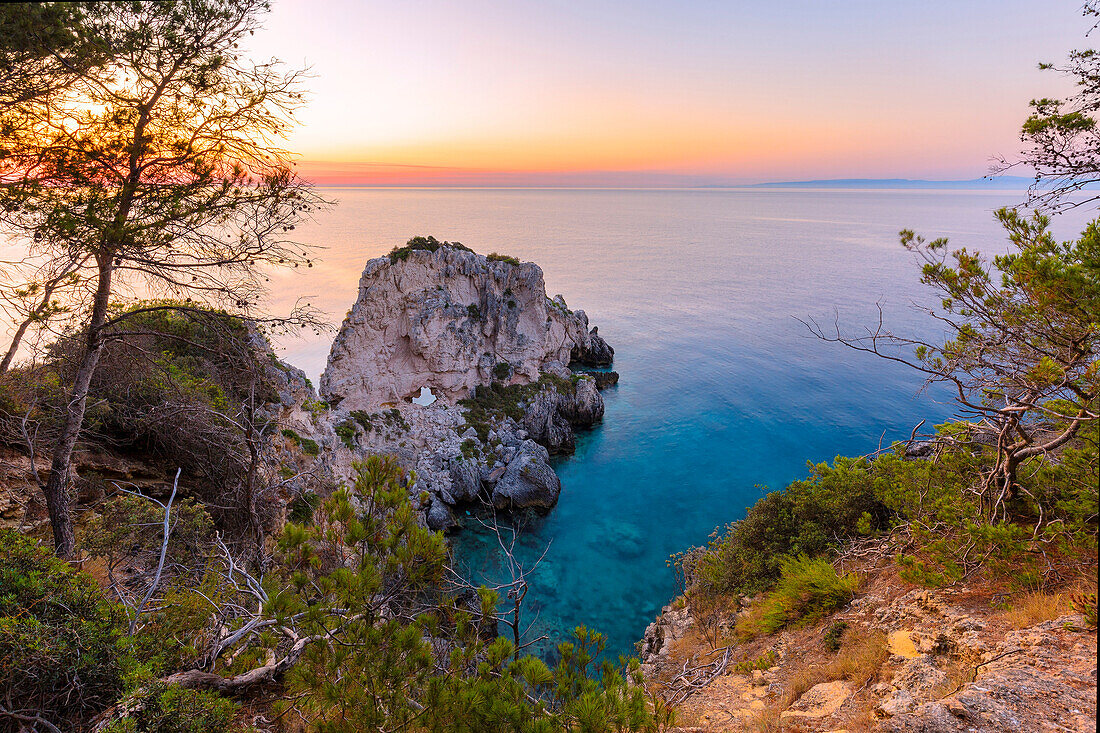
(426, 244)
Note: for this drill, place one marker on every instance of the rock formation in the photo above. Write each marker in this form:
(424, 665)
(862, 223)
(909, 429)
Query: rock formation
(950, 662)
(451, 320)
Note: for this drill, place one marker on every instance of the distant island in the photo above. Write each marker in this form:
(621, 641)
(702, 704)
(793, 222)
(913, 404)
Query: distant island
(1006, 182)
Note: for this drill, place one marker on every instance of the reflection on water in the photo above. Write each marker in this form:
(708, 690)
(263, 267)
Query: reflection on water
(722, 390)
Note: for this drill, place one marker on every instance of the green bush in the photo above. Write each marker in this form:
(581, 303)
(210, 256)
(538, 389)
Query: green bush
(498, 400)
(810, 517)
(173, 709)
(60, 638)
(302, 507)
(346, 432)
(427, 244)
(834, 634)
(308, 445)
(376, 668)
(807, 590)
(494, 257)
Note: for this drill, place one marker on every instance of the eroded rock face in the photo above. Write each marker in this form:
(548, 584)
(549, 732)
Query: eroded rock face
(449, 320)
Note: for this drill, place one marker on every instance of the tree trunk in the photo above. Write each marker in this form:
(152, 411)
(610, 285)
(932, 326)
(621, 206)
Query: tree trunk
(57, 486)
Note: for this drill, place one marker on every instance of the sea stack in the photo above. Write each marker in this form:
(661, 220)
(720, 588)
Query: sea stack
(451, 320)
(495, 352)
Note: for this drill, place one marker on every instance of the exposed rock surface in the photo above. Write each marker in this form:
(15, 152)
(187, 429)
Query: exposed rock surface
(449, 320)
(952, 662)
(452, 320)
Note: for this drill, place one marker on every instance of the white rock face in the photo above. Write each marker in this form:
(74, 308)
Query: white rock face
(448, 320)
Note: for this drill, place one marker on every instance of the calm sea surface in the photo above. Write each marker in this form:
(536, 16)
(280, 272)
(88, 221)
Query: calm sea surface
(722, 391)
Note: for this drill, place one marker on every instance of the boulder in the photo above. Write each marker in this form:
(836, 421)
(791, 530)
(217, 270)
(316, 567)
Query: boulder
(587, 404)
(546, 420)
(603, 379)
(465, 481)
(593, 352)
(528, 481)
(439, 516)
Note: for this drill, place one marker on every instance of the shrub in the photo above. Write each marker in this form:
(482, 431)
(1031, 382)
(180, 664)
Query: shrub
(1085, 604)
(765, 661)
(834, 634)
(502, 371)
(173, 709)
(302, 508)
(308, 445)
(807, 590)
(127, 532)
(346, 432)
(494, 257)
(380, 615)
(497, 400)
(428, 244)
(809, 517)
(59, 636)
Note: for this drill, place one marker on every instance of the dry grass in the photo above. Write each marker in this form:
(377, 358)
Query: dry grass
(859, 661)
(1035, 607)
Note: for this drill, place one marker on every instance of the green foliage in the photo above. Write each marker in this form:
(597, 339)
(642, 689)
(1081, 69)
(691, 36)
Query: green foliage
(127, 531)
(808, 517)
(491, 403)
(470, 448)
(172, 709)
(427, 244)
(365, 581)
(1085, 604)
(834, 634)
(59, 637)
(494, 257)
(346, 432)
(806, 590)
(385, 421)
(308, 445)
(765, 661)
(502, 371)
(473, 311)
(303, 507)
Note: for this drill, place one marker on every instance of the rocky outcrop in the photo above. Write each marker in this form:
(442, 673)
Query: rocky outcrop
(451, 320)
(914, 660)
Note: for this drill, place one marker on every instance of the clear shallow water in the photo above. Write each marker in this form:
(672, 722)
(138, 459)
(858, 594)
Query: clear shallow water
(722, 391)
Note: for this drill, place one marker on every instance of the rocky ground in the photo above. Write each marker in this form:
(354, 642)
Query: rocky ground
(910, 659)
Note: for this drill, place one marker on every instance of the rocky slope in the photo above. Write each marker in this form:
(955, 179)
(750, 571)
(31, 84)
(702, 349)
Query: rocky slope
(909, 659)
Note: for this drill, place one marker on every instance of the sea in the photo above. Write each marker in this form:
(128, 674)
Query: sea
(724, 393)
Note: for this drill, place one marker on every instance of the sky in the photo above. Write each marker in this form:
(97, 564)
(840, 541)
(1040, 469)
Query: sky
(648, 93)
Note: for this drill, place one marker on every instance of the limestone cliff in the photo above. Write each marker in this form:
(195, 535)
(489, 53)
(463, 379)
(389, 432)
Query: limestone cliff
(480, 333)
(451, 320)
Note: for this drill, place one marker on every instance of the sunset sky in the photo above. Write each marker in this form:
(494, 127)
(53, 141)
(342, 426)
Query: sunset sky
(643, 93)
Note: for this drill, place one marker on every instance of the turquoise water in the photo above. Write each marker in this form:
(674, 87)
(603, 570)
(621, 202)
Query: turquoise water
(722, 391)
